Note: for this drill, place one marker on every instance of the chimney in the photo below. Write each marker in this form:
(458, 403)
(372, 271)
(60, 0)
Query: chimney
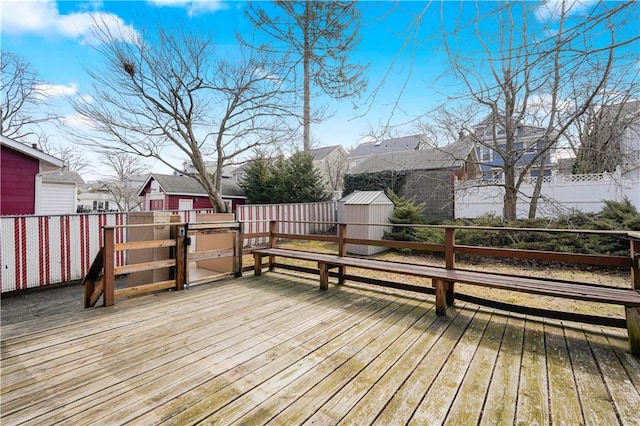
(460, 134)
(34, 145)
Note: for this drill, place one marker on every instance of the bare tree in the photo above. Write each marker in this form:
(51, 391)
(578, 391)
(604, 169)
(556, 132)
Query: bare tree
(519, 68)
(74, 159)
(122, 168)
(22, 101)
(333, 169)
(178, 92)
(319, 36)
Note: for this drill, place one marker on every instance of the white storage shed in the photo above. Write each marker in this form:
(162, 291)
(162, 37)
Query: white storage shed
(372, 207)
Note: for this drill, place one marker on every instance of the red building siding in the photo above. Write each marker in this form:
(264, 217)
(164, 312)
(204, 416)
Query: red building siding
(18, 182)
(199, 203)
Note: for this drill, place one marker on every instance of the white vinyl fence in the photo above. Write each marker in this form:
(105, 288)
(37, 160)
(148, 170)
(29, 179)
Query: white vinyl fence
(560, 194)
(255, 219)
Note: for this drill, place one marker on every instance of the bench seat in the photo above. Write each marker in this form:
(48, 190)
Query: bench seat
(443, 280)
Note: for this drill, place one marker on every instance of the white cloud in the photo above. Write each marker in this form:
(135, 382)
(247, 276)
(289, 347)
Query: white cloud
(87, 99)
(45, 90)
(551, 10)
(78, 121)
(43, 17)
(194, 7)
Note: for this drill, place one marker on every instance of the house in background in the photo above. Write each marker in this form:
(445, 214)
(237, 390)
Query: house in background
(32, 182)
(490, 138)
(168, 192)
(429, 175)
(331, 162)
(386, 146)
(97, 197)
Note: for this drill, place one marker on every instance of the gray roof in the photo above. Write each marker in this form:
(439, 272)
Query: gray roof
(451, 156)
(321, 153)
(405, 143)
(366, 198)
(186, 185)
(62, 176)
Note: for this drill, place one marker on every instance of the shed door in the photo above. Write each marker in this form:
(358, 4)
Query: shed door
(56, 198)
(185, 204)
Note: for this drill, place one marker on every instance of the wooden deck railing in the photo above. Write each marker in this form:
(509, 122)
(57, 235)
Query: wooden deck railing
(450, 248)
(100, 280)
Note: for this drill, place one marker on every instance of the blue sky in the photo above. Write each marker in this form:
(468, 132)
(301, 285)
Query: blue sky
(52, 36)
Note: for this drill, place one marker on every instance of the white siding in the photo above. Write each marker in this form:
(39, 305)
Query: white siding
(56, 198)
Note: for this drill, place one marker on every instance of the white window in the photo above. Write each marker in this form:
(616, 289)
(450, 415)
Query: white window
(486, 154)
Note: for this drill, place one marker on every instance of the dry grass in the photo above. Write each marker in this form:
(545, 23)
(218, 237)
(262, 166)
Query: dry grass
(620, 279)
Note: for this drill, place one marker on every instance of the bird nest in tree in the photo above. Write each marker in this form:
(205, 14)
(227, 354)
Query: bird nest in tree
(129, 67)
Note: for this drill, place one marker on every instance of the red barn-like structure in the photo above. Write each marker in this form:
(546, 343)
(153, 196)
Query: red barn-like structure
(20, 166)
(169, 192)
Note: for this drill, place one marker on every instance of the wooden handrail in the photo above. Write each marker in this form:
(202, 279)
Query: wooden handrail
(450, 248)
(96, 285)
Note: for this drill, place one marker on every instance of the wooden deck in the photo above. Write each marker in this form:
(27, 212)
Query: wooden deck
(274, 349)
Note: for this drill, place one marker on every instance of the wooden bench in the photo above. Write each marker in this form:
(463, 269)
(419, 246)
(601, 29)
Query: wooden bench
(443, 280)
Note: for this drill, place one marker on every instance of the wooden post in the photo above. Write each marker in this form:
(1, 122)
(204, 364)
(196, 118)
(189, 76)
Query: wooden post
(324, 275)
(109, 280)
(272, 242)
(450, 262)
(342, 250)
(238, 246)
(257, 264)
(441, 296)
(272, 233)
(633, 329)
(449, 254)
(181, 258)
(635, 259)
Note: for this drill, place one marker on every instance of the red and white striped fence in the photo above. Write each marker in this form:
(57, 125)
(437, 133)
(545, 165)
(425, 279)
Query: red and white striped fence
(255, 219)
(36, 251)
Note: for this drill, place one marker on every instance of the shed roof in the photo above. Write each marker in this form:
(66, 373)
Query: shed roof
(450, 156)
(62, 176)
(366, 198)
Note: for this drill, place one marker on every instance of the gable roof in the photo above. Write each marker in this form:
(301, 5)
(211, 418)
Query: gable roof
(31, 151)
(405, 143)
(451, 156)
(186, 185)
(62, 176)
(323, 152)
(366, 198)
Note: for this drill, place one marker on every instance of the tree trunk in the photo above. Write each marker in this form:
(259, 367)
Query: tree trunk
(533, 206)
(510, 201)
(306, 113)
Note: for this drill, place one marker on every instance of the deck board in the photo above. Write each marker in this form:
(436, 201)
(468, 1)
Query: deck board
(274, 349)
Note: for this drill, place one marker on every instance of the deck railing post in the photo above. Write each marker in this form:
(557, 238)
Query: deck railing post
(109, 284)
(633, 312)
(272, 242)
(342, 250)
(450, 262)
(238, 250)
(181, 258)
(635, 263)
